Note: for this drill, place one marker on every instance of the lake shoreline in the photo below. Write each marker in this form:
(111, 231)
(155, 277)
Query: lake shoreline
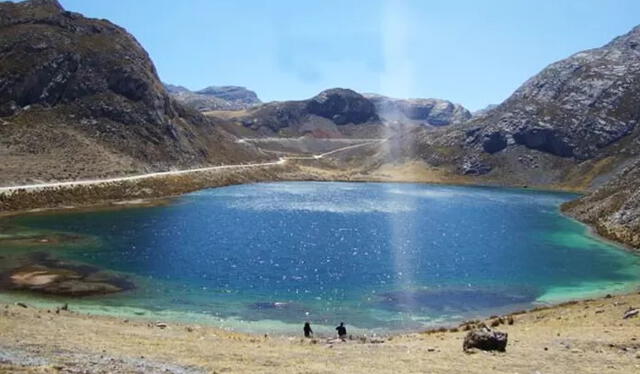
(146, 191)
(590, 334)
(583, 292)
(24, 358)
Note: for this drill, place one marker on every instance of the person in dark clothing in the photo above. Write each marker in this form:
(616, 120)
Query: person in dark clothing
(342, 331)
(307, 330)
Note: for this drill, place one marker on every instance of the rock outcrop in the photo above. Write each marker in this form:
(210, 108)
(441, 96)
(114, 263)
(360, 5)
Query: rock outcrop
(432, 112)
(485, 339)
(215, 97)
(614, 208)
(84, 92)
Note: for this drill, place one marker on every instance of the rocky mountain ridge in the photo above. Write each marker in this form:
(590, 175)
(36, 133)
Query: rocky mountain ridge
(215, 97)
(340, 112)
(573, 114)
(83, 94)
(573, 108)
(431, 112)
(573, 126)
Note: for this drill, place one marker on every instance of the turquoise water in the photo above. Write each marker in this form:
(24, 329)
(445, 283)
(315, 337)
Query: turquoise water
(381, 257)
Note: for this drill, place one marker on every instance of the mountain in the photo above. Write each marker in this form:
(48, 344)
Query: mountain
(215, 97)
(234, 94)
(332, 113)
(80, 97)
(568, 125)
(340, 112)
(574, 126)
(432, 112)
(576, 107)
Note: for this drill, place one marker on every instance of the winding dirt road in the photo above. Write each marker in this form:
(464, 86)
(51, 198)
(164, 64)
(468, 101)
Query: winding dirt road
(280, 161)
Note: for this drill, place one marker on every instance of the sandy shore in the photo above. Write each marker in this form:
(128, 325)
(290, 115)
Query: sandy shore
(580, 337)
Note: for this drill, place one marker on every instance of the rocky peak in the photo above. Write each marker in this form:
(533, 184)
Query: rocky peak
(235, 94)
(433, 112)
(174, 89)
(342, 106)
(52, 6)
(28, 11)
(573, 108)
(51, 57)
(215, 98)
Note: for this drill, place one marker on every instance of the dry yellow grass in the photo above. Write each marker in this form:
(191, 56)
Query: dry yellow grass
(582, 337)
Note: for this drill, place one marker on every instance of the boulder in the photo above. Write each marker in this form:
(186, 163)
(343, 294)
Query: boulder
(485, 339)
(8, 109)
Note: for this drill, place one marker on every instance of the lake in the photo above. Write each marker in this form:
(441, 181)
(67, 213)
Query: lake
(379, 256)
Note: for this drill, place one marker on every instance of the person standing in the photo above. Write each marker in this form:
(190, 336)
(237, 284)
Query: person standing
(342, 331)
(307, 330)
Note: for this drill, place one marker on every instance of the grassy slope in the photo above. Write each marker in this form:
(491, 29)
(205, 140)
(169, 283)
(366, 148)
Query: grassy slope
(585, 337)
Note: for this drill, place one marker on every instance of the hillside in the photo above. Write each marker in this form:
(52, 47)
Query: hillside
(80, 98)
(575, 114)
(573, 126)
(614, 209)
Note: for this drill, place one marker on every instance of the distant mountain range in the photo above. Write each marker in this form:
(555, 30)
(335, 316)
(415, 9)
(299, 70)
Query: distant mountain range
(337, 112)
(215, 97)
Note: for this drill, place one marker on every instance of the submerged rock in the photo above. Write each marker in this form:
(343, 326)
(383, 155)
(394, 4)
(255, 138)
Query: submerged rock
(485, 339)
(58, 278)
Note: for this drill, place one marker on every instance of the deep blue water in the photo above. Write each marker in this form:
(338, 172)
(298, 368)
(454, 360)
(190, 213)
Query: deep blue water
(267, 257)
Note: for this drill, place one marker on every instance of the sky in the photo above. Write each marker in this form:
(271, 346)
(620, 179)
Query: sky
(470, 52)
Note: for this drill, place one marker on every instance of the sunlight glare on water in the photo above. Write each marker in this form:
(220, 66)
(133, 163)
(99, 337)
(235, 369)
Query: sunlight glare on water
(382, 257)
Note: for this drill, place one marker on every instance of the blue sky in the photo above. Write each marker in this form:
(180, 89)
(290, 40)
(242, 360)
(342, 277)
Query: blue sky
(468, 51)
